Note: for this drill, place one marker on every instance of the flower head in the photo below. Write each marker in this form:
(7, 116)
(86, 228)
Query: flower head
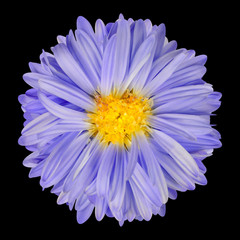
(118, 119)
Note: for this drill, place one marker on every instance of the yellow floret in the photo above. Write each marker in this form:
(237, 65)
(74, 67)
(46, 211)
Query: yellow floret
(117, 118)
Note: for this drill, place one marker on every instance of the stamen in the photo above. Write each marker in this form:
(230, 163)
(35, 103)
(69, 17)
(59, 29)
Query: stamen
(117, 118)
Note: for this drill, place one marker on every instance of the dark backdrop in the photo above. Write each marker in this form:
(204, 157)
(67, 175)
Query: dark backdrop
(201, 26)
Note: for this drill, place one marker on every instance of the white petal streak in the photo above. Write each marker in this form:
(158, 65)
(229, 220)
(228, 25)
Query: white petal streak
(138, 36)
(142, 181)
(142, 204)
(161, 62)
(169, 47)
(72, 68)
(196, 124)
(108, 66)
(83, 215)
(92, 54)
(122, 52)
(166, 72)
(54, 158)
(141, 57)
(67, 92)
(101, 33)
(183, 91)
(105, 169)
(160, 35)
(84, 25)
(118, 186)
(132, 158)
(39, 122)
(154, 169)
(82, 56)
(100, 208)
(198, 60)
(169, 127)
(175, 171)
(82, 173)
(67, 159)
(58, 110)
(181, 105)
(176, 151)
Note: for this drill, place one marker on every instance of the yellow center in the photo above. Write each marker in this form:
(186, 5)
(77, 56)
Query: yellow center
(117, 118)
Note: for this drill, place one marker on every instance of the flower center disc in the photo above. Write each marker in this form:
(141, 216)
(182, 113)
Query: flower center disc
(117, 118)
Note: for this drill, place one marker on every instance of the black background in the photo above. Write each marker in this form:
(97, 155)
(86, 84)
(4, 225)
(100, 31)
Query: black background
(204, 27)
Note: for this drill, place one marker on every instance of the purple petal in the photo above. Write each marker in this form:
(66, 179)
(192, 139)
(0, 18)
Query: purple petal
(105, 170)
(36, 171)
(84, 171)
(175, 171)
(160, 35)
(142, 204)
(208, 141)
(83, 55)
(49, 60)
(129, 203)
(141, 57)
(53, 159)
(60, 128)
(161, 62)
(185, 77)
(84, 25)
(57, 188)
(40, 123)
(180, 92)
(108, 66)
(118, 184)
(198, 60)
(79, 165)
(100, 208)
(169, 47)
(172, 194)
(32, 160)
(101, 33)
(138, 36)
(60, 111)
(201, 179)
(66, 160)
(61, 39)
(169, 127)
(183, 105)
(83, 215)
(132, 158)
(142, 181)
(91, 55)
(38, 68)
(32, 78)
(154, 169)
(148, 25)
(72, 68)
(208, 105)
(172, 184)
(122, 52)
(67, 92)
(177, 152)
(162, 210)
(195, 124)
(166, 72)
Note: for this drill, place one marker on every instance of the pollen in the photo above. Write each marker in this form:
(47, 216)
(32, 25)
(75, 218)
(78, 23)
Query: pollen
(116, 118)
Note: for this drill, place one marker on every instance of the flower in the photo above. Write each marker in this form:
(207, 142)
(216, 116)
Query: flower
(118, 119)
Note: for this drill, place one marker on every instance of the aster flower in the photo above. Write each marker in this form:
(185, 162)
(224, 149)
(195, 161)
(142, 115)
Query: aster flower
(118, 119)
